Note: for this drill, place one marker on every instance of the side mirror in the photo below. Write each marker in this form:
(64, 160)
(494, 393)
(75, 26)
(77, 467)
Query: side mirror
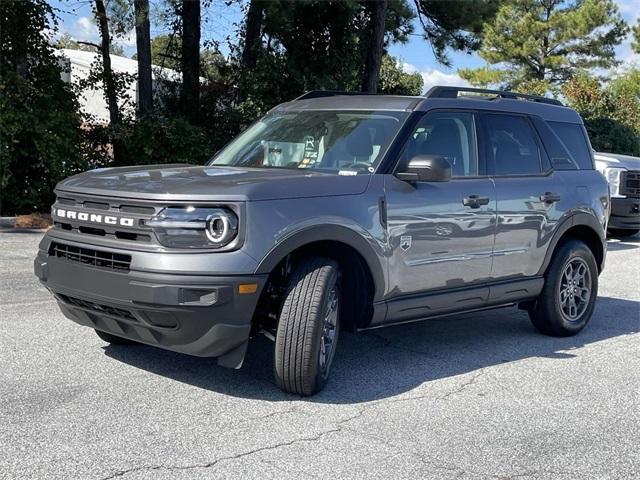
(426, 168)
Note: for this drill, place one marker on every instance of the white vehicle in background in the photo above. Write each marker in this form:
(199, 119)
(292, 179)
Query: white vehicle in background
(623, 174)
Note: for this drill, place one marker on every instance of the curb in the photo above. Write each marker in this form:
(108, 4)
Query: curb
(7, 222)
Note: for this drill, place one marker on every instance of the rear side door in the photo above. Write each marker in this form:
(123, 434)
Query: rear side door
(529, 194)
(440, 233)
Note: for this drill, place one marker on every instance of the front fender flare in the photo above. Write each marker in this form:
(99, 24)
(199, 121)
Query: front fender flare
(365, 244)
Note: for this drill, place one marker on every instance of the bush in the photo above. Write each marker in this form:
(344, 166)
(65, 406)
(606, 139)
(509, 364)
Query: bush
(611, 113)
(40, 134)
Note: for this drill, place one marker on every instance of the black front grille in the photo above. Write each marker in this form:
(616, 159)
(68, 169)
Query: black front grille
(88, 256)
(98, 308)
(630, 184)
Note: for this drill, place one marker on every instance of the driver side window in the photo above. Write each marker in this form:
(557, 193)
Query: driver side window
(447, 134)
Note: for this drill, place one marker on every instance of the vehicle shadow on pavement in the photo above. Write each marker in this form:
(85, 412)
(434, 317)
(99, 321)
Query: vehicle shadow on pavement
(383, 363)
(617, 245)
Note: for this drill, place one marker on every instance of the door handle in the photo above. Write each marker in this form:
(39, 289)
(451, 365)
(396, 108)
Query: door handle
(549, 197)
(475, 201)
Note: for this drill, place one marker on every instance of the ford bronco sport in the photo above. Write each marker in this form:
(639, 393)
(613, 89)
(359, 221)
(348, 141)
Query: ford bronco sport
(338, 211)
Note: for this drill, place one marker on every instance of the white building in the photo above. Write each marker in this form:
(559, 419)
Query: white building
(77, 65)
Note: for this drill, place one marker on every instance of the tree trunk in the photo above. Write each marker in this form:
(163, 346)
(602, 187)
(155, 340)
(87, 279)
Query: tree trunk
(108, 81)
(107, 74)
(191, 58)
(143, 50)
(376, 45)
(252, 30)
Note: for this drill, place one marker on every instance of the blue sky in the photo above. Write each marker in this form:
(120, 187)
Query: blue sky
(219, 20)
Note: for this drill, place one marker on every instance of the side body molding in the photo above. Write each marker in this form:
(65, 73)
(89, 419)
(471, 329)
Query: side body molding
(369, 249)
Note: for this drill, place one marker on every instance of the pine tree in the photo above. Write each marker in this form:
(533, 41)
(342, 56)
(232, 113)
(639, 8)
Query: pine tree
(539, 44)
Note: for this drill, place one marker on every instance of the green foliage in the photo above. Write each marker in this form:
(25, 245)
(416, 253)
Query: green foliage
(39, 125)
(150, 140)
(547, 41)
(66, 41)
(393, 80)
(611, 113)
(454, 24)
(312, 45)
(636, 38)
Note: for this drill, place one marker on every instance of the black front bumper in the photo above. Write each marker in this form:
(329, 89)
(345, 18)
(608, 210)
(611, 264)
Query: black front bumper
(198, 315)
(625, 213)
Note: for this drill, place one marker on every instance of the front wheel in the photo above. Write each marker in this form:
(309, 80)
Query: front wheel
(570, 289)
(308, 327)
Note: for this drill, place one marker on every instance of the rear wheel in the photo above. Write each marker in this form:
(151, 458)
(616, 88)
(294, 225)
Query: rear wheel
(115, 340)
(570, 289)
(308, 327)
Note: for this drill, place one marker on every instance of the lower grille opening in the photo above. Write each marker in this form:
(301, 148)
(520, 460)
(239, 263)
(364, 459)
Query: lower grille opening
(88, 256)
(136, 237)
(92, 231)
(98, 308)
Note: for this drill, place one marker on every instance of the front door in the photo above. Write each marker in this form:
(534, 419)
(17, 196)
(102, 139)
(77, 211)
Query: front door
(441, 234)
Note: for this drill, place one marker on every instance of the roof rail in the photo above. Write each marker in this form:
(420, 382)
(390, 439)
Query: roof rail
(452, 92)
(327, 93)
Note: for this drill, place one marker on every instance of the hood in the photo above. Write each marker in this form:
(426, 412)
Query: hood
(617, 160)
(211, 183)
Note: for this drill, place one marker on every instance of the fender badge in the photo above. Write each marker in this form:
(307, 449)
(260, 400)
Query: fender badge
(405, 242)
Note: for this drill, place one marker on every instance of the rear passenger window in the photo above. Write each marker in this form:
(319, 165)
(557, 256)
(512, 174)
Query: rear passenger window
(512, 146)
(574, 140)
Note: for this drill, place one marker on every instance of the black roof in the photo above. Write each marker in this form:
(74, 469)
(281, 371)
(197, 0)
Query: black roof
(437, 97)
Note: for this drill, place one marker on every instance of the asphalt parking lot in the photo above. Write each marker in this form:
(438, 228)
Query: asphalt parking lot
(474, 396)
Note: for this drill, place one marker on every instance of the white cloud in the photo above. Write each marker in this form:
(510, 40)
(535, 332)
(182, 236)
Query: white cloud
(128, 40)
(84, 29)
(432, 77)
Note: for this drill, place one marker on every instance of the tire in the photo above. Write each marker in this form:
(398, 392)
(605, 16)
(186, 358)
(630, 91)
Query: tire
(115, 340)
(301, 365)
(548, 314)
(618, 232)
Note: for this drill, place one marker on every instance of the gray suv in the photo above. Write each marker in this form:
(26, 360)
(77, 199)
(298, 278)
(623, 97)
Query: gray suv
(338, 212)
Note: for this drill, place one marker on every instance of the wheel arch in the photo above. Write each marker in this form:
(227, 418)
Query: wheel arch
(583, 227)
(361, 265)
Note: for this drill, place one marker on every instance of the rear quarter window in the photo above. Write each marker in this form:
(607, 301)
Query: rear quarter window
(574, 139)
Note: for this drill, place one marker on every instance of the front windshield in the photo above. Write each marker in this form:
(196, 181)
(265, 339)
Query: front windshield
(340, 141)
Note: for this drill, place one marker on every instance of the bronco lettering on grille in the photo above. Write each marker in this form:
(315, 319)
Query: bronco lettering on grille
(93, 218)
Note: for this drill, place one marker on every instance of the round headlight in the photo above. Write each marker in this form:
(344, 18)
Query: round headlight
(219, 228)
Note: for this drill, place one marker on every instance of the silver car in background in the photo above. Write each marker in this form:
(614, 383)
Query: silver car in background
(623, 174)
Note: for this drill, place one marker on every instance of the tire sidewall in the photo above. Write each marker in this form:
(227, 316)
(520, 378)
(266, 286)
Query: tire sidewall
(321, 376)
(570, 251)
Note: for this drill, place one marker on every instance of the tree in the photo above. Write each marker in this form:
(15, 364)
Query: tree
(190, 59)
(543, 43)
(110, 90)
(165, 51)
(143, 52)
(40, 133)
(636, 34)
(66, 41)
(454, 24)
(394, 81)
(252, 31)
(375, 49)
(611, 112)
